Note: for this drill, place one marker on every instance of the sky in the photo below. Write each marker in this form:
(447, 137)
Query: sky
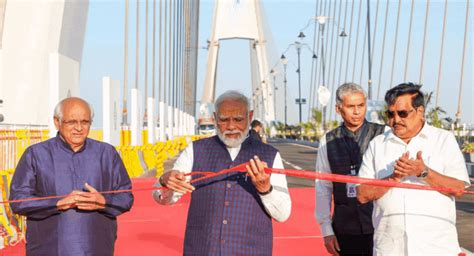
(103, 51)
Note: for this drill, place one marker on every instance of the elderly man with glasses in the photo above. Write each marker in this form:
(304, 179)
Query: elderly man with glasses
(84, 222)
(407, 221)
(229, 214)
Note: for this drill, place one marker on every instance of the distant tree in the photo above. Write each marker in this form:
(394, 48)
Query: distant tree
(316, 115)
(433, 114)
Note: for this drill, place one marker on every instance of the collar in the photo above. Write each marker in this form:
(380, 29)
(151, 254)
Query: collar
(63, 144)
(356, 132)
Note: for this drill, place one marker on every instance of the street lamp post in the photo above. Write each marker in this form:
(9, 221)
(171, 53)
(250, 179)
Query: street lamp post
(298, 45)
(322, 22)
(298, 50)
(284, 60)
(275, 88)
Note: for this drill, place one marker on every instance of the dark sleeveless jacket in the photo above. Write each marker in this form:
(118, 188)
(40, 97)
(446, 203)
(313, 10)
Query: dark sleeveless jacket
(345, 151)
(226, 215)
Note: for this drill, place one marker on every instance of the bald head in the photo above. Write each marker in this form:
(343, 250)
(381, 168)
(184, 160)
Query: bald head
(71, 101)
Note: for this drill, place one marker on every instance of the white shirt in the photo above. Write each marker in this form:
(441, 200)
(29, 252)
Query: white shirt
(415, 222)
(277, 203)
(323, 191)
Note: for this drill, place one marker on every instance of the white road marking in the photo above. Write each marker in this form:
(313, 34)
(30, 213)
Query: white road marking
(292, 165)
(304, 146)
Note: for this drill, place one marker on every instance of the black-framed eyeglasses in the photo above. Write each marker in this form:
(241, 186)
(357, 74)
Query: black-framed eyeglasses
(72, 123)
(400, 113)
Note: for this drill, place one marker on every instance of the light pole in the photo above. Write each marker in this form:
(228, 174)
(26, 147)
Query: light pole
(298, 45)
(284, 60)
(322, 22)
(275, 88)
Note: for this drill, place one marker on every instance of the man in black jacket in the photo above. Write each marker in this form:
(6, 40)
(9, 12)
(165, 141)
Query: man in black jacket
(350, 229)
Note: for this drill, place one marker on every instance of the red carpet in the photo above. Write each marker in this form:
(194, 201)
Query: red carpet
(153, 229)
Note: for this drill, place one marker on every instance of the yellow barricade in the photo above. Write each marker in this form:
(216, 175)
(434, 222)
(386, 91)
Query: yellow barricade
(13, 143)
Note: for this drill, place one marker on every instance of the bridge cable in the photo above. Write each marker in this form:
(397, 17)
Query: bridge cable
(357, 42)
(349, 43)
(395, 43)
(330, 84)
(461, 78)
(323, 61)
(314, 63)
(440, 67)
(334, 84)
(154, 53)
(164, 119)
(369, 52)
(363, 50)
(373, 47)
(125, 66)
(170, 81)
(379, 83)
(161, 113)
(145, 120)
(407, 58)
(317, 34)
(137, 45)
(318, 70)
(425, 30)
(342, 51)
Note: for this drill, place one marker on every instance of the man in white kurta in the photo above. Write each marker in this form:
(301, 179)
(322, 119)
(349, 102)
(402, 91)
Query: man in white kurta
(407, 221)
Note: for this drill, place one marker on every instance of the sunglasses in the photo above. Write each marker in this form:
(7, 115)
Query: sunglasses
(400, 113)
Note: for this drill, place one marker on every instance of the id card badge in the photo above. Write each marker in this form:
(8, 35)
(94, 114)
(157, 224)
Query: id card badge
(351, 190)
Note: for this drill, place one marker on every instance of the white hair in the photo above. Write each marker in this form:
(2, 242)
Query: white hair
(347, 89)
(58, 110)
(231, 95)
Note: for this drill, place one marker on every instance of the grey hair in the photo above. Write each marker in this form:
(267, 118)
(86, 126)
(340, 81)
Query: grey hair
(58, 110)
(347, 89)
(231, 95)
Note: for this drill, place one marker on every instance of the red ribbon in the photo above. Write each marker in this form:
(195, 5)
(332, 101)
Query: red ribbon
(295, 173)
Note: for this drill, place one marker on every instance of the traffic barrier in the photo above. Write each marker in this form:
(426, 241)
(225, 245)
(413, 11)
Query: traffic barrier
(149, 157)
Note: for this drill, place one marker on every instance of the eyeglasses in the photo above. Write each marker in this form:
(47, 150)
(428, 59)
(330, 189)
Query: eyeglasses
(73, 123)
(400, 113)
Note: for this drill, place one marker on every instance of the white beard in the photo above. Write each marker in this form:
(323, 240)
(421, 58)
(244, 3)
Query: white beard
(230, 142)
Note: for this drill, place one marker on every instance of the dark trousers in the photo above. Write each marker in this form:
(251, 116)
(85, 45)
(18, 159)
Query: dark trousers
(355, 244)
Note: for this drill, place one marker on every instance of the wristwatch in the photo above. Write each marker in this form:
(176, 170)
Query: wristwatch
(424, 173)
(161, 181)
(266, 192)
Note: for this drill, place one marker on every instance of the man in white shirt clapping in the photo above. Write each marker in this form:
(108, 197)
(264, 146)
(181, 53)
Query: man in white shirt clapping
(408, 221)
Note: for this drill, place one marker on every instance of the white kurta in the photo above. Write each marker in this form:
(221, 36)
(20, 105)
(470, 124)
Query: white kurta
(415, 222)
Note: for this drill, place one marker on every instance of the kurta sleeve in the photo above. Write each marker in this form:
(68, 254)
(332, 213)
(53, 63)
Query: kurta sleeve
(118, 203)
(278, 202)
(184, 164)
(23, 186)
